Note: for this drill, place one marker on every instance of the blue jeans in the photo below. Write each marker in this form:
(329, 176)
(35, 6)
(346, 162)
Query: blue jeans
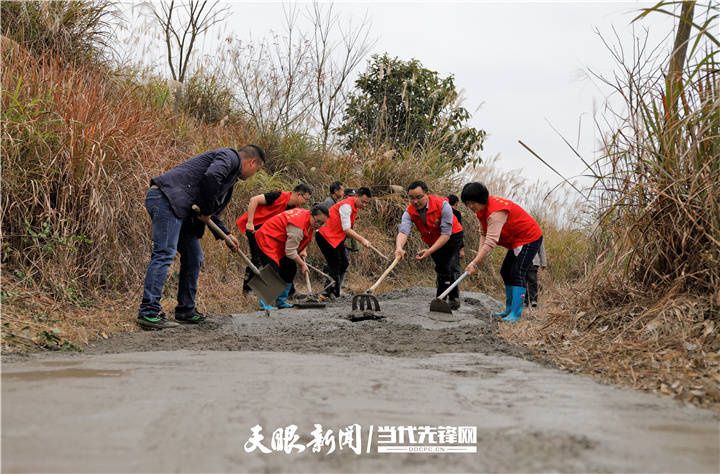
(514, 268)
(170, 235)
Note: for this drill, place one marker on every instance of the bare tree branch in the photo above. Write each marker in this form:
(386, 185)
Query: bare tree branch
(182, 24)
(296, 80)
(337, 51)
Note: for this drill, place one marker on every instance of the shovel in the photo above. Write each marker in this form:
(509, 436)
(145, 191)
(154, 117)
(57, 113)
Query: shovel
(439, 304)
(330, 279)
(366, 300)
(311, 301)
(379, 253)
(265, 282)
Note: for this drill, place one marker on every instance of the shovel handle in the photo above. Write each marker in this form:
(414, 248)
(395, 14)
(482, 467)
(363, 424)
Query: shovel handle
(456, 283)
(382, 277)
(319, 271)
(307, 282)
(379, 253)
(217, 229)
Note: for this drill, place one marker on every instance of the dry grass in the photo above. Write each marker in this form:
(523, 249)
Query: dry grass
(669, 346)
(646, 313)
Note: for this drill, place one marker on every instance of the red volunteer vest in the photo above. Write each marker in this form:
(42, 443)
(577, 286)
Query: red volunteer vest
(520, 228)
(271, 237)
(263, 213)
(332, 230)
(431, 232)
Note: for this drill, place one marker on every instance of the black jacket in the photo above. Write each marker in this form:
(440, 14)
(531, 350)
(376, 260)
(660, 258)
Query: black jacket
(207, 180)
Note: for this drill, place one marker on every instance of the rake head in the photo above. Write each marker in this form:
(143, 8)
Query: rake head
(365, 302)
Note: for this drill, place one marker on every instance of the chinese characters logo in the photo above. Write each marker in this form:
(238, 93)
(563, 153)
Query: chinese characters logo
(384, 439)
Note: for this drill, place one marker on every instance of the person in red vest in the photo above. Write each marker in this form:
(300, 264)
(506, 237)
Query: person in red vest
(440, 230)
(507, 224)
(261, 208)
(283, 241)
(331, 238)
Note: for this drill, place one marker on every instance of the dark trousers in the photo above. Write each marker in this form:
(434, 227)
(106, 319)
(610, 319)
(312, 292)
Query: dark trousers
(258, 258)
(255, 258)
(514, 268)
(170, 235)
(337, 262)
(532, 285)
(326, 268)
(287, 269)
(447, 265)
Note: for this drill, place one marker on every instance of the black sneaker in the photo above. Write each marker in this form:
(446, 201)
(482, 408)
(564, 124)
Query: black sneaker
(454, 304)
(192, 318)
(157, 321)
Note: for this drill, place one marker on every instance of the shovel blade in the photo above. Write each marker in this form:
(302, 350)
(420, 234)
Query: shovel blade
(268, 285)
(440, 306)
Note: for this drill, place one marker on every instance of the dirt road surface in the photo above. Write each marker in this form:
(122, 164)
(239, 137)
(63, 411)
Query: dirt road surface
(187, 399)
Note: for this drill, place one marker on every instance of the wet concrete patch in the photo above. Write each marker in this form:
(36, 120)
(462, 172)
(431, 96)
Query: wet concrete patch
(403, 327)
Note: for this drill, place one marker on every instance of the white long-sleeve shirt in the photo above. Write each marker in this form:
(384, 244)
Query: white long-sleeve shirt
(345, 212)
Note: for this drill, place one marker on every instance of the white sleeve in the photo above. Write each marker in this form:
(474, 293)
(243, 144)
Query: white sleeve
(345, 213)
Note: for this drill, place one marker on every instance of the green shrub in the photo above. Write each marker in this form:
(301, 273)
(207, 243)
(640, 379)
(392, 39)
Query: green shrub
(206, 98)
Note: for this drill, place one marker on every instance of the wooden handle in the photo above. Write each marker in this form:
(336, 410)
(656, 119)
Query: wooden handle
(319, 271)
(382, 277)
(379, 253)
(307, 282)
(449, 289)
(217, 229)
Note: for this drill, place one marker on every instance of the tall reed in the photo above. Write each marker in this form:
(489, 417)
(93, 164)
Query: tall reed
(657, 182)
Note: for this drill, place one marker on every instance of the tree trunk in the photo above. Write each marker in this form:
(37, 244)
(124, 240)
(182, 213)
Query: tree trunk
(677, 60)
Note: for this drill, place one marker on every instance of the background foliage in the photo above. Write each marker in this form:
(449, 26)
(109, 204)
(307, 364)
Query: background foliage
(402, 105)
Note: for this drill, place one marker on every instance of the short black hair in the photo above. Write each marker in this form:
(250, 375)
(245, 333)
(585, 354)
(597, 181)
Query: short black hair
(474, 192)
(415, 184)
(319, 209)
(253, 151)
(364, 192)
(302, 188)
(335, 186)
(453, 199)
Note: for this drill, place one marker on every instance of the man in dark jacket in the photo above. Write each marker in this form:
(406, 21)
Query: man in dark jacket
(336, 194)
(206, 180)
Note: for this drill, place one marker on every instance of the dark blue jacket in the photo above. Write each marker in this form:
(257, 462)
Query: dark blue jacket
(207, 180)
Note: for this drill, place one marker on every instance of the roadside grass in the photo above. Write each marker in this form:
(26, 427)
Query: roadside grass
(646, 311)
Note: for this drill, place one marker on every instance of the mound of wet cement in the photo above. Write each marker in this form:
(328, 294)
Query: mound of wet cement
(404, 327)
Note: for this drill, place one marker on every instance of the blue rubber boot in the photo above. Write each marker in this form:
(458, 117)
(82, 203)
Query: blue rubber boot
(517, 304)
(265, 307)
(508, 302)
(280, 302)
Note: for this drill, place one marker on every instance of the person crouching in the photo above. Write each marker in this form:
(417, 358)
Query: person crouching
(283, 241)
